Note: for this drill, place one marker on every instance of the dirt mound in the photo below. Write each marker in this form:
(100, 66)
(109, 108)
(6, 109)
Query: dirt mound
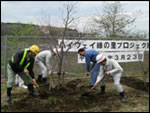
(74, 96)
(135, 83)
(70, 87)
(73, 83)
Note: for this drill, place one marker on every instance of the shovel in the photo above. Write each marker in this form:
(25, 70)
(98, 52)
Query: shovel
(87, 93)
(35, 84)
(38, 88)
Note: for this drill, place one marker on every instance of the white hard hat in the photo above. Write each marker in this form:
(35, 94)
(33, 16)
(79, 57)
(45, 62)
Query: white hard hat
(100, 58)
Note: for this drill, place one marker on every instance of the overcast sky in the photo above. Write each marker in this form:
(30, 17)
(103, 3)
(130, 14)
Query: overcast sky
(31, 12)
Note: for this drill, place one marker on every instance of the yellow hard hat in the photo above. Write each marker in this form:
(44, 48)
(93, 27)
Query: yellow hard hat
(35, 49)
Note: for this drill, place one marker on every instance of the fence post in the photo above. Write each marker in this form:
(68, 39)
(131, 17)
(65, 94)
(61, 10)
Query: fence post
(5, 58)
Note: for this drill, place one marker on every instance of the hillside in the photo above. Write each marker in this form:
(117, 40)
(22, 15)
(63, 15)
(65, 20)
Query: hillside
(33, 30)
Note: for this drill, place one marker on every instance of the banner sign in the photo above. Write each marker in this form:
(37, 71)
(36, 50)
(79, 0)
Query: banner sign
(120, 56)
(107, 45)
(120, 50)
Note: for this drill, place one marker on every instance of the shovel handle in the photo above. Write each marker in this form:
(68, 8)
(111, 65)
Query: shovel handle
(34, 83)
(37, 86)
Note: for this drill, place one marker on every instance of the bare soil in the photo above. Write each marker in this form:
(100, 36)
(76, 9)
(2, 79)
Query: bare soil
(76, 96)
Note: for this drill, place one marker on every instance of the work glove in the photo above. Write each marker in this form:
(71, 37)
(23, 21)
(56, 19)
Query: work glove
(95, 85)
(25, 71)
(50, 72)
(107, 73)
(35, 83)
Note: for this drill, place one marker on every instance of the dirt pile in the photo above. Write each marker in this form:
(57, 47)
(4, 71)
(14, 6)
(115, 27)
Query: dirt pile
(71, 98)
(135, 83)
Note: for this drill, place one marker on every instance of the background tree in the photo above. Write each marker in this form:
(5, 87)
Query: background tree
(114, 20)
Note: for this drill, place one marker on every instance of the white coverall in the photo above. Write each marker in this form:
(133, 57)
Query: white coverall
(20, 82)
(43, 60)
(115, 71)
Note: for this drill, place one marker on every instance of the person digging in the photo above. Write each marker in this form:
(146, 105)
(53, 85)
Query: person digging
(90, 56)
(22, 63)
(109, 67)
(43, 61)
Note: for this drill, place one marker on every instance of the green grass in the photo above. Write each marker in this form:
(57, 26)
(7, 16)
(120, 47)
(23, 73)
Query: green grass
(51, 101)
(4, 88)
(146, 109)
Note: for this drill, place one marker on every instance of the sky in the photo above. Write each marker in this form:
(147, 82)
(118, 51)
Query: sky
(37, 12)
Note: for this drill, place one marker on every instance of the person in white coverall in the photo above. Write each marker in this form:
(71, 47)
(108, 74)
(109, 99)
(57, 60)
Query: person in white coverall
(109, 67)
(43, 61)
(20, 82)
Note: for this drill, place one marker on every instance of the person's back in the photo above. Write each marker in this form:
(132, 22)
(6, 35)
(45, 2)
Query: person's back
(43, 54)
(91, 54)
(113, 66)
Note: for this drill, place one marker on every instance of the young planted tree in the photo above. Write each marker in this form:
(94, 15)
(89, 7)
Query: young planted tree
(69, 19)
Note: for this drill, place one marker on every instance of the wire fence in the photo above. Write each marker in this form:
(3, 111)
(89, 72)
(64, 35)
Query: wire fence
(12, 44)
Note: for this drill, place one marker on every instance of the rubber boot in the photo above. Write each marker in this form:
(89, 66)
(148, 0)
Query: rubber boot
(45, 81)
(90, 86)
(122, 97)
(31, 91)
(39, 79)
(8, 99)
(102, 90)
